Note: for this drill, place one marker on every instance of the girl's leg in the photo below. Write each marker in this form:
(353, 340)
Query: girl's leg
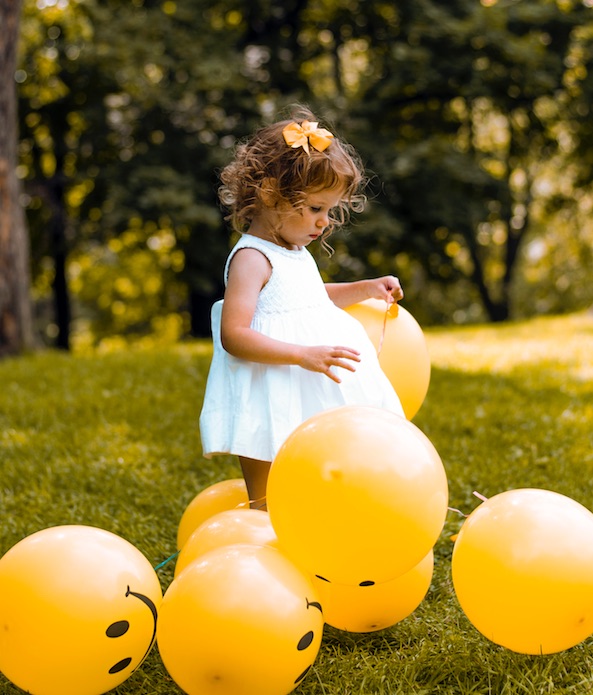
(255, 473)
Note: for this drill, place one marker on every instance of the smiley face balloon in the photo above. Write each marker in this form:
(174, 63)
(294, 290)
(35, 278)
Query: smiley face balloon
(377, 606)
(78, 610)
(241, 619)
(357, 494)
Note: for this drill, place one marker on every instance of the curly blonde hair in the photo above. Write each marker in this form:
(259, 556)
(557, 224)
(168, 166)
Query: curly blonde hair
(266, 172)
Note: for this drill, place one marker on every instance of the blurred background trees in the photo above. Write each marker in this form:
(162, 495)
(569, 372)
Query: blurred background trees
(474, 119)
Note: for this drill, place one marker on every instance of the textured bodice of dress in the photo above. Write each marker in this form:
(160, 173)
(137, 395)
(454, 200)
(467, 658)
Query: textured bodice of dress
(294, 285)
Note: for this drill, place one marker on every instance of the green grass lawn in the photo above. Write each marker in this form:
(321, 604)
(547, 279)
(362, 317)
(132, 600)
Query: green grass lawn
(111, 440)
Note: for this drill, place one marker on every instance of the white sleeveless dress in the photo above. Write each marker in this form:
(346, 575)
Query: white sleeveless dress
(249, 408)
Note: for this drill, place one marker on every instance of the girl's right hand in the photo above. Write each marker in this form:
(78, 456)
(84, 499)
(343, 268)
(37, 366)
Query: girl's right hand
(320, 358)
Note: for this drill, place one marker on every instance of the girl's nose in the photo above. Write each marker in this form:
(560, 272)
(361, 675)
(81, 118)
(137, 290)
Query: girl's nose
(322, 221)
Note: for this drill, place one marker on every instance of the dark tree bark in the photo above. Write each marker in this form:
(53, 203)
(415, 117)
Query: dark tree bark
(61, 293)
(16, 332)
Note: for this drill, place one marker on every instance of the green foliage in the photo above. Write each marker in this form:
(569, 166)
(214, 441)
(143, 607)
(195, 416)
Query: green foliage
(459, 133)
(123, 120)
(133, 283)
(111, 440)
(473, 117)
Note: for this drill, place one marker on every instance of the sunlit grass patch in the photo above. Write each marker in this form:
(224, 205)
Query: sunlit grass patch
(560, 345)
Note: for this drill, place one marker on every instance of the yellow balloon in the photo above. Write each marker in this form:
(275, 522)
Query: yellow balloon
(230, 527)
(403, 352)
(78, 611)
(226, 494)
(375, 607)
(240, 620)
(522, 570)
(357, 494)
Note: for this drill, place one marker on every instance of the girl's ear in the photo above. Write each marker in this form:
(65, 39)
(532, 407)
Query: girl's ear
(268, 192)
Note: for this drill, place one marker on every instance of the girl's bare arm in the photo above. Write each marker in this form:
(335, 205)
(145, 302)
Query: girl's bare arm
(248, 273)
(345, 294)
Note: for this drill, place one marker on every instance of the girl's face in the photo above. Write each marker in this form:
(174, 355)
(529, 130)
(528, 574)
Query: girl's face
(301, 226)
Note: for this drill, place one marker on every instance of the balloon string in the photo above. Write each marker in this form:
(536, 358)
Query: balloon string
(383, 331)
(259, 503)
(458, 511)
(244, 505)
(248, 504)
(164, 562)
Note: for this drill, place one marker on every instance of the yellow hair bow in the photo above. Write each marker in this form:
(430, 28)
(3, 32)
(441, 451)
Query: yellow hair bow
(307, 134)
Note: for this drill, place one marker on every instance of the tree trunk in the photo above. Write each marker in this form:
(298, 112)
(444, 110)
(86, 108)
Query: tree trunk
(16, 332)
(60, 253)
(497, 310)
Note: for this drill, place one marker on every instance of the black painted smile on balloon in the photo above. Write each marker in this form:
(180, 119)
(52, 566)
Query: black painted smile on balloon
(307, 638)
(120, 627)
(315, 604)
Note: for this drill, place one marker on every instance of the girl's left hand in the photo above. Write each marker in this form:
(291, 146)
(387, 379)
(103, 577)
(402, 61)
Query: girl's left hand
(387, 288)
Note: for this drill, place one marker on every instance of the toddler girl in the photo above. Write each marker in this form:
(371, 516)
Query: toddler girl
(284, 349)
